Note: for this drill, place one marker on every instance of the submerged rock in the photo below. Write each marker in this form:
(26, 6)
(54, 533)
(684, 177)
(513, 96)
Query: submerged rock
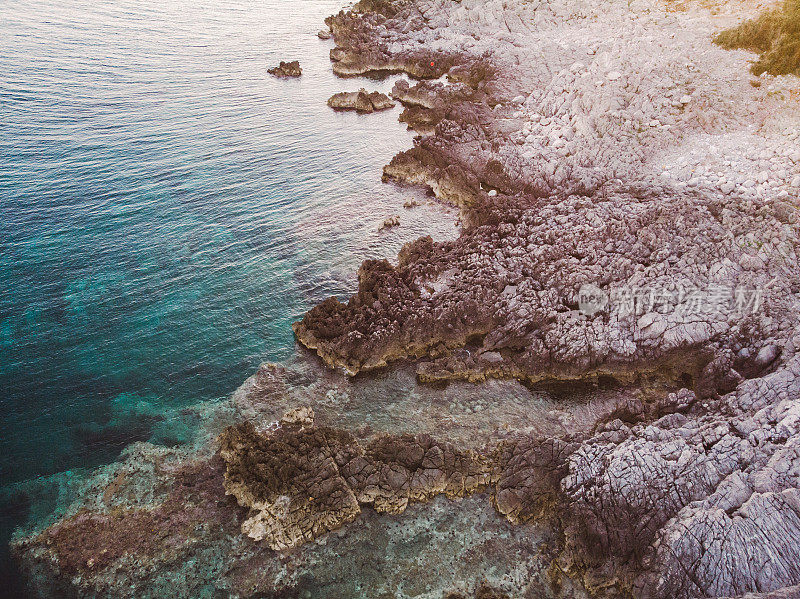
(287, 69)
(623, 501)
(391, 221)
(360, 101)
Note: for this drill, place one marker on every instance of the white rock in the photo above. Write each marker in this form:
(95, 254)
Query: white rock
(727, 187)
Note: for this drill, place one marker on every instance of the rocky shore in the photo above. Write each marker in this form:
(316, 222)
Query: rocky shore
(631, 214)
(609, 352)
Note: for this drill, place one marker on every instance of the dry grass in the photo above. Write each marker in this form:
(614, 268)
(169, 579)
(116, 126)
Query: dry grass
(775, 35)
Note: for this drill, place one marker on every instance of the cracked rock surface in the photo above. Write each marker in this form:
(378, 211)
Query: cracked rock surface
(301, 480)
(646, 173)
(578, 160)
(659, 495)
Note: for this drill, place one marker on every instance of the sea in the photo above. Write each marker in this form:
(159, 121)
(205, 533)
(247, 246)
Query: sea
(167, 210)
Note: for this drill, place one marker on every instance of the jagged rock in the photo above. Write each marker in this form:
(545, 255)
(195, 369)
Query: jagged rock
(360, 101)
(286, 69)
(700, 276)
(300, 481)
(561, 213)
(669, 207)
(697, 505)
(290, 481)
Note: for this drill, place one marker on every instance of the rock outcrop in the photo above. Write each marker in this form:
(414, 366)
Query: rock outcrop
(609, 238)
(301, 480)
(681, 499)
(669, 497)
(360, 101)
(556, 200)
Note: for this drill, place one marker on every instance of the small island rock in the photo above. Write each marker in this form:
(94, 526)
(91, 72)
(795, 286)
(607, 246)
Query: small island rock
(286, 69)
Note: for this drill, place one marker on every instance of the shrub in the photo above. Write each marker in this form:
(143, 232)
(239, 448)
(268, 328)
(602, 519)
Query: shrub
(775, 35)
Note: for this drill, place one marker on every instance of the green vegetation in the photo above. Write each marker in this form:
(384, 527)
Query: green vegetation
(775, 35)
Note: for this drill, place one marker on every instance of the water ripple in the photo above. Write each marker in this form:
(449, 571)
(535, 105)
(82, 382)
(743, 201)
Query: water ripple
(168, 210)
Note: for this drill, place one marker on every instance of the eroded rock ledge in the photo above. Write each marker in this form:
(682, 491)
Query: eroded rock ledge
(577, 157)
(302, 480)
(694, 500)
(567, 154)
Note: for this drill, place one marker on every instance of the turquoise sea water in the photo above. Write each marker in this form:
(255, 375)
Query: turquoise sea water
(168, 209)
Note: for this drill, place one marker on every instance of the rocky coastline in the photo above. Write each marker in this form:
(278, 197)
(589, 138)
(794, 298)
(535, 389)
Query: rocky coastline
(593, 392)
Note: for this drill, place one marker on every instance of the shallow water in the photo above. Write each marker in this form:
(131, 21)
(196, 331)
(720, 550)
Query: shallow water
(168, 209)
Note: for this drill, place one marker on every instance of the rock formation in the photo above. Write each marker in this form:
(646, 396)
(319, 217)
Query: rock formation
(360, 101)
(301, 480)
(669, 498)
(594, 252)
(286, 69)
